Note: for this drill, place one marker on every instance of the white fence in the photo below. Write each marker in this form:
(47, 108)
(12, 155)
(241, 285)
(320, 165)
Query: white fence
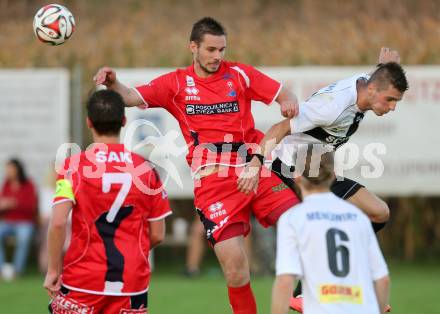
(34, 118)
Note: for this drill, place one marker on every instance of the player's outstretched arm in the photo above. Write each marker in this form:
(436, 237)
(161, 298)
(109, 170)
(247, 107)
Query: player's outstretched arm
(382, 288)
(281, 292)
(157, 232)
(288, 103)
(107, 76)
(56, 236)
(248, 180)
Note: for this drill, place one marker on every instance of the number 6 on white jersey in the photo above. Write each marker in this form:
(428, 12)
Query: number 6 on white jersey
(116, 178)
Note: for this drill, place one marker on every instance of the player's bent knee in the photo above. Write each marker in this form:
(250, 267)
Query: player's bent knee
(237, 277)
(234, 265)
(236, 270)
(382, 218)
(377, 210)
(382, 213)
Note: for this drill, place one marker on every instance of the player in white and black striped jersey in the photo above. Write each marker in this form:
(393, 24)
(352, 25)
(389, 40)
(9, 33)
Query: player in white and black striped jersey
(331, 116)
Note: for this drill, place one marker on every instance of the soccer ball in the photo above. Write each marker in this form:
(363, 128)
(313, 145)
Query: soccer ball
(54, 24)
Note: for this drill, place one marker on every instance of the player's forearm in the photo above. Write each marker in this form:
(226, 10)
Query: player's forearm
(273, 136)
(130, 97)
(156, 240)
(382, 288)
(55, 241)
(288, 103)
(286, 95)
(157, 232)
(281, 293)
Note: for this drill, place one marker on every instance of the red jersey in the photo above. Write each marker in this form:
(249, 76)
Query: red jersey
(25, 197)
(214, 113)
(115, 194)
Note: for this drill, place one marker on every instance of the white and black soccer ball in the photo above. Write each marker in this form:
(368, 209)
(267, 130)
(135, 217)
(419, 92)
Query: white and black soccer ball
(54, 24)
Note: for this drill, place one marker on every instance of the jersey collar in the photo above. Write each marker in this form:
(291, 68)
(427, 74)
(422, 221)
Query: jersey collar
(363, 78)
(321, 195)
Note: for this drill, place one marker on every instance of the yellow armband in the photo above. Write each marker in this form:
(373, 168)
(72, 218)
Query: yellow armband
(64, 190)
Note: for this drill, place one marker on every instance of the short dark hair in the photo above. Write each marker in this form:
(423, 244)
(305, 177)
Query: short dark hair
(206, 25)
(105, 109)
(390, 73)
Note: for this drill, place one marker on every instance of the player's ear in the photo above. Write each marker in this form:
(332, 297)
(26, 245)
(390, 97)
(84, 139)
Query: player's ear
(299, 183)
(124, 121)
(193, 46)
(372, 88)
(89, 123)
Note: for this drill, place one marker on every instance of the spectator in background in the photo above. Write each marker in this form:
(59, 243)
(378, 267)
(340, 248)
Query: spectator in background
(18, 208)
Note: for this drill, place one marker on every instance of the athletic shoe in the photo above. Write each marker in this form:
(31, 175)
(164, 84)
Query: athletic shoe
(296, 303)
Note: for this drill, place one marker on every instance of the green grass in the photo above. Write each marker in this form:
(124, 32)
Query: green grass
(414, 290)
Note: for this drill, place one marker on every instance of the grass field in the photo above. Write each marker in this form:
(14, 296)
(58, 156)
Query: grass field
(414, 290)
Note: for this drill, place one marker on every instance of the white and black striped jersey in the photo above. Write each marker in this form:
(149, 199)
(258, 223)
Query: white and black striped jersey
(329, 116)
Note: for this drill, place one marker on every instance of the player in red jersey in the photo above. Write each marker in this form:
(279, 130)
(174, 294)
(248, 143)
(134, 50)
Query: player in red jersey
(118, 210)
(211, 100)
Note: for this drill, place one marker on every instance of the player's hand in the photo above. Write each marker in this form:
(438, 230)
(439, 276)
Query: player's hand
(248, 179)
(387, 55)
(52, 283)
(105, 76)
(289, 108)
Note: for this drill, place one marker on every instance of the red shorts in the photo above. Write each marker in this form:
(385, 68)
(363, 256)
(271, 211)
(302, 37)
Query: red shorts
(75, 302)
(225, 211)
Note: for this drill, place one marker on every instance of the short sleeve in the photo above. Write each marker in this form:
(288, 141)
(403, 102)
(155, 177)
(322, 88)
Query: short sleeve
(159, 92)
(160, 206)
(376, 260)
(259, 86)
(319, 110)
(288, 257)
(325, 106)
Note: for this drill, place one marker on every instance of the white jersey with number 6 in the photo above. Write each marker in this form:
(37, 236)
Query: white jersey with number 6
(330, 244)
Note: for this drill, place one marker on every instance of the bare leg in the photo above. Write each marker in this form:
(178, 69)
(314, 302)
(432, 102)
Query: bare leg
(234, 263)
(375, 208)
(248, 247)
(196, 247)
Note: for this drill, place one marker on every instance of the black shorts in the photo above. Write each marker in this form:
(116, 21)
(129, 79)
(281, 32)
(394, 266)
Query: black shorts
(342, 188)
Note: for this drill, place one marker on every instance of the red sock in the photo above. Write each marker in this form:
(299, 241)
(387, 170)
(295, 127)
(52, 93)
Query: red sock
(242, 300)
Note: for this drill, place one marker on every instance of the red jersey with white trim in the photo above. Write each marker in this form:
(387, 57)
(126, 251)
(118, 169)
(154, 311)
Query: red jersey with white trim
(213, 110)
(115, 193)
